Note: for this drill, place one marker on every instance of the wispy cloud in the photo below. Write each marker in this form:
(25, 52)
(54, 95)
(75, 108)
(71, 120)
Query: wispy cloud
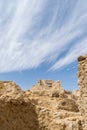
(33, 32)
(72, 55)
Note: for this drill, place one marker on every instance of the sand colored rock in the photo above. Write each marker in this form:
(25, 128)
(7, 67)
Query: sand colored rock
(16, 111)
(82, 74)
(21, 110)
(47, 106)
(55, 113)
(48, 88)
(9, 88)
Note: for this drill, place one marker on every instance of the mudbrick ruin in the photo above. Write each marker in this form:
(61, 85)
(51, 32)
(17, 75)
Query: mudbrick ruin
(47, 106)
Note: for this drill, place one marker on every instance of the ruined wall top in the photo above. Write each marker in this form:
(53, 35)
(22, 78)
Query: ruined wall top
(47, 88)
(48, 83)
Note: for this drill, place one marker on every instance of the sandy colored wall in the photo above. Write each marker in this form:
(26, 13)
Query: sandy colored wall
(82, 75)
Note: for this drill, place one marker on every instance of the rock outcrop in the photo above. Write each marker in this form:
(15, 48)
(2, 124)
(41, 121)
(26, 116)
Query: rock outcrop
(47, 106)
(16, 111)
(82, 74)
(28, 110)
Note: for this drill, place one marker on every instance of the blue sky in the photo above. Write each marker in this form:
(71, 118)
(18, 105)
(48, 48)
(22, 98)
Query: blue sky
(42, 39)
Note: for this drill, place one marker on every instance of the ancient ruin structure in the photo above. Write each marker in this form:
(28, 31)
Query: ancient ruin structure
(47, 106)
(25, 110)
(48, 87)
(47, 83)
(82, 74)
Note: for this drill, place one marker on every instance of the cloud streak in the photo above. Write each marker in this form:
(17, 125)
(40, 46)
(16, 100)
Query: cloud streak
(72, 55)
(36, 32)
